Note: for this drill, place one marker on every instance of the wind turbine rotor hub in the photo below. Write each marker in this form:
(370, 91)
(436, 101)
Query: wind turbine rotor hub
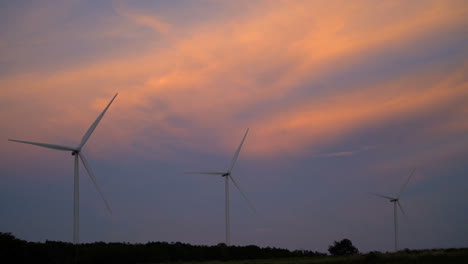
(75, 152)
(225, 174)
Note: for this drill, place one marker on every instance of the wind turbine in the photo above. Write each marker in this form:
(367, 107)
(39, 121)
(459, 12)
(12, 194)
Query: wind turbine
(396, 201)
(228, 175)
(76, 151)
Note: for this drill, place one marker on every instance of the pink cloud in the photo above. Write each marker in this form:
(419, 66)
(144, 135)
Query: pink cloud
(215, 72)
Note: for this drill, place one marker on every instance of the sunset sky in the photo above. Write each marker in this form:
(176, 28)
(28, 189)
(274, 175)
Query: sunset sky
(342, 98)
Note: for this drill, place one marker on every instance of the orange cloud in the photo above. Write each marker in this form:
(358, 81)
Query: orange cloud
(142, 18)
(316, 122)
(206, 80)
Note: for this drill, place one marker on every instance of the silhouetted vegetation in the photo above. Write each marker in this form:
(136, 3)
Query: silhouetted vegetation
(13, 250)
(343, 248)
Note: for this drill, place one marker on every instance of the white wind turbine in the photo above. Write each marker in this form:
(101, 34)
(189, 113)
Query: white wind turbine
(228, 175)
(76, 151)
(396, 201)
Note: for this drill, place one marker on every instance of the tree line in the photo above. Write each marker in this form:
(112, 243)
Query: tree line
(14, 250)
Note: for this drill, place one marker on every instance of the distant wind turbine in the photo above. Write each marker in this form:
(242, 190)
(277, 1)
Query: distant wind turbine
(396, 201)
(76, 151)
(228, 175)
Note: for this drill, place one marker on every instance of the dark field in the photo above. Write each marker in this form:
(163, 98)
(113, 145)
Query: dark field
(442, 256)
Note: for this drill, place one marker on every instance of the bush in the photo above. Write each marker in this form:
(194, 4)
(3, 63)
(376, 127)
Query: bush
(343, 248)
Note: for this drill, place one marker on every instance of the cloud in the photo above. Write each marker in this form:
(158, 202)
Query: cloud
(344, 153)
(264, 230)
(318, 121)
(142, 18)
(277, 69)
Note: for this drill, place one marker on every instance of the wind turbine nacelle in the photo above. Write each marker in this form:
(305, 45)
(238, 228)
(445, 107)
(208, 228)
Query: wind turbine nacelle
(74, 153)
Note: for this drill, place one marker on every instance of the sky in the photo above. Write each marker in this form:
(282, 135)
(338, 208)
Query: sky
(342, 98)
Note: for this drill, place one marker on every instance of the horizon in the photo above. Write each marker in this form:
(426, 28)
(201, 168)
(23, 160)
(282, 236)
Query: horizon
(223, 244)
(342, 99)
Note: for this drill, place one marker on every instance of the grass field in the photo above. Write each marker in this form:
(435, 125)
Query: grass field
(451, 256)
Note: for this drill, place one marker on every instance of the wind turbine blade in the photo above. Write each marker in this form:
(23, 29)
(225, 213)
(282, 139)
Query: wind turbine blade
(93, 178)
(240, 190)
(382, 196)
(45, 145)
(94, 125)
(406, 183)
(206, 172)
(234, 159)
(401, 208)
